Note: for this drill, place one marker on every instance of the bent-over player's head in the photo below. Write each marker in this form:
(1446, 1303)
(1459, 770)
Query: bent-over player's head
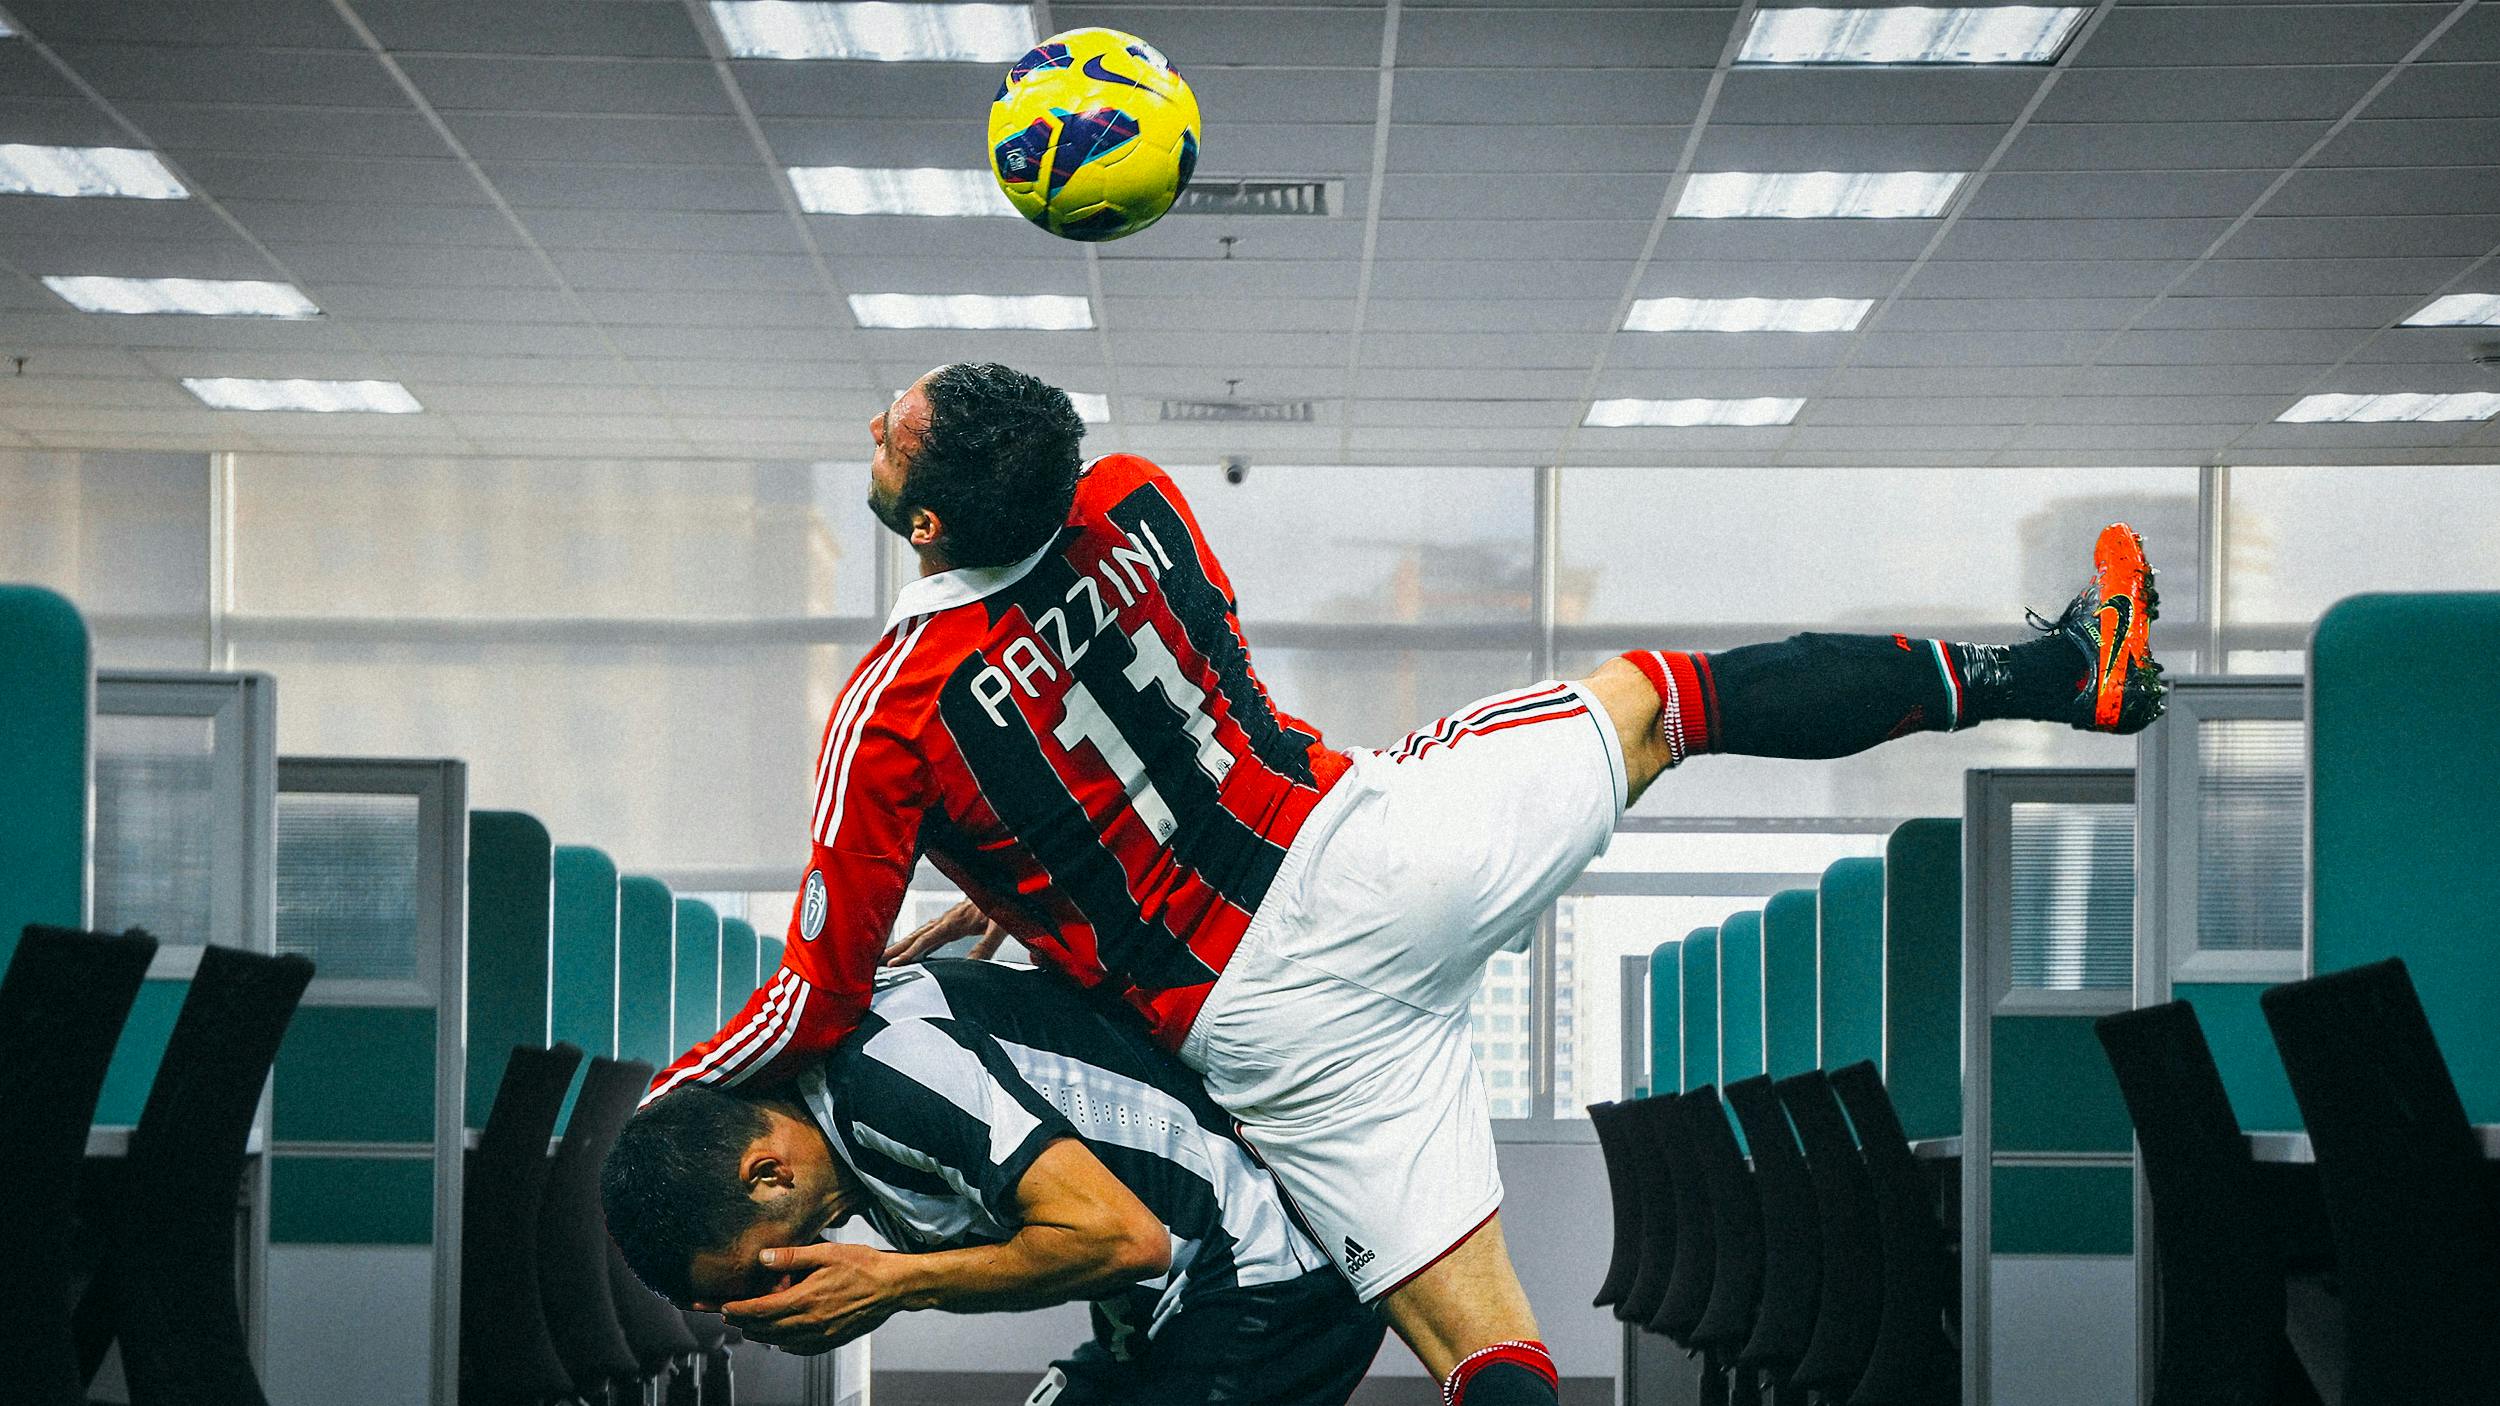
(977, 462)
(702, 1182)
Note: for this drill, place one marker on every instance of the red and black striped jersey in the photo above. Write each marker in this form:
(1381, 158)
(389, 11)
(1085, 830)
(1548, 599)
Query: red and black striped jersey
(1080, 743)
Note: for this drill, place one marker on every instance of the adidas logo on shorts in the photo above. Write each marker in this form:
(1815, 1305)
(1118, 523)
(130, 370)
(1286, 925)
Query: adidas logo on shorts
(1355, 1256)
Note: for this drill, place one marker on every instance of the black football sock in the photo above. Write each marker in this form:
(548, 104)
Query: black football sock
(1819, 695)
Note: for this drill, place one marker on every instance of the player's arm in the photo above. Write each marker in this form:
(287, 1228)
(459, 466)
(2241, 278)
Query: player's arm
(865, 841)
(1085, 1236)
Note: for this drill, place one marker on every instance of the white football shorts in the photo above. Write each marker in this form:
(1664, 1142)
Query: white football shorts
(1338, 1032)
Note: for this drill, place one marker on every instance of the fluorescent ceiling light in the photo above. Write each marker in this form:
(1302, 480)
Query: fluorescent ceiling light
(238, 393)
(206, 297)
(2403, 405)
(86, 170)
(1761, 410)
(1747, 314)
(918, 190)
(1817, 195)
(886, 33)
(2459, 310)
(1038, 312)
(1911, 34)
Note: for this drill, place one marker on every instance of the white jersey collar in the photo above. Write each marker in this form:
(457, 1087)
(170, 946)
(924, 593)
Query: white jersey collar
(927, 595)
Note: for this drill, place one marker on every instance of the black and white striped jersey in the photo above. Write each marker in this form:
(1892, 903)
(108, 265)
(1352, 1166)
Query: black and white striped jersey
(963, 1072)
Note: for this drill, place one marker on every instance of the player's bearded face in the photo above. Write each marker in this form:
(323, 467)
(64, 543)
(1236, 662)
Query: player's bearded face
(888, 506)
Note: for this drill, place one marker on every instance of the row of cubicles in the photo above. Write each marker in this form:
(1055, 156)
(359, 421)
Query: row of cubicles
(2272, 829)
(442, 937)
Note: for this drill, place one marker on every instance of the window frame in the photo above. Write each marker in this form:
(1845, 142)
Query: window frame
(2167, 792)
(1987, 881)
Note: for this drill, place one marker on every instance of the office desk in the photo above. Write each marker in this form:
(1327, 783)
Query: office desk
(2293, 1149)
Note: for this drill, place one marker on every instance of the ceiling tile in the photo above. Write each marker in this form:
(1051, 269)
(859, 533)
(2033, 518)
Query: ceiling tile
(1831, 96)
(2016, 278)
(2426, 190)
(1480, 150)
(2051, 240)
(292, 24)
(187, 128)
(1198, 37)
(1796, 278)
(2287, 312)
(2162, 146)
(347, 222)
(2008, 314)
(563, 137)
(2317, 237)
(305, 77)
(2413, 141)
(1573, 196)
(2206, 94)
(1852, 147)
(616, 185)
(2115, 194)
(66, 121)
(622, 30)
(1646, 38)
(433, 180)
(1493, 97)
(2238, 277)
(885, 91)
(2134, 36)
(663, 87)
(2442, 90)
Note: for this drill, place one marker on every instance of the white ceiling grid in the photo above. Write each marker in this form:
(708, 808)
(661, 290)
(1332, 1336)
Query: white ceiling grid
(563, 224)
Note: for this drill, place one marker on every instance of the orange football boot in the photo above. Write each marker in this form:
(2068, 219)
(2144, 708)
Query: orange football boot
(2111, 621)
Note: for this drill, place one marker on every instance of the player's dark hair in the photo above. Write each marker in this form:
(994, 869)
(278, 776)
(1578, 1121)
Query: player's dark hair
(998, 464)
(671, 1186)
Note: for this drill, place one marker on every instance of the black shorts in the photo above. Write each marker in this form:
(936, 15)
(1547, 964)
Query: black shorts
(1306, 1342)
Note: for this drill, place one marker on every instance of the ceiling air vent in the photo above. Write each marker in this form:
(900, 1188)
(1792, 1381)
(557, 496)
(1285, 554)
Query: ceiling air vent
(1238, 412)
(1214, 195)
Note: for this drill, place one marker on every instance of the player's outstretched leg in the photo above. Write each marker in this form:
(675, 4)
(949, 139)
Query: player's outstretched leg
(1829, 695)
(1469, 1323)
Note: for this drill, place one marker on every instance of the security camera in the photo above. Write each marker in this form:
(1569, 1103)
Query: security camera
(1236, 467)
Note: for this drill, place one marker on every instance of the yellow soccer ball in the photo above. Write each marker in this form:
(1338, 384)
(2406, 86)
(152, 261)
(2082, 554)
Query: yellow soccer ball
(1093, 134)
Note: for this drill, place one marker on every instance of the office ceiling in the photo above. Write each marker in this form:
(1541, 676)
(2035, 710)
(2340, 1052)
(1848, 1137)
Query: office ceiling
(563, 225)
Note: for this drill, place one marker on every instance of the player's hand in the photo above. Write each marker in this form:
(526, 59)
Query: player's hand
(843, 1292)
(963, 920)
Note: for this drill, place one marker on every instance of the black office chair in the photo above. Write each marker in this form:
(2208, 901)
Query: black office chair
(664, 1346)
(573, 1237)
(1643, 1132)
(2220, 1269)
(716, 1379)
(1696, 1257)
(1912, 1363)
(1727, 1322)
(2417, 1249)
(1792, 1240)
(1626, 1199)
(63, 1003)
(507, 1356)
(165, 1288)
(1852, 1299)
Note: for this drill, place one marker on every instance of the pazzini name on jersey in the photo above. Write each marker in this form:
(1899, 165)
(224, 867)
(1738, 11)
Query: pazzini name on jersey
(1127, 573)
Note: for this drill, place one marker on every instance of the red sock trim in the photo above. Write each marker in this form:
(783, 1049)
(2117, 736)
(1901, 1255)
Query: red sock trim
(1526, 1353)
(1684, 692)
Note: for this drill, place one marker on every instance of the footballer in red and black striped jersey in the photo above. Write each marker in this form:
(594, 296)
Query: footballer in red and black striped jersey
(1079, 742)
